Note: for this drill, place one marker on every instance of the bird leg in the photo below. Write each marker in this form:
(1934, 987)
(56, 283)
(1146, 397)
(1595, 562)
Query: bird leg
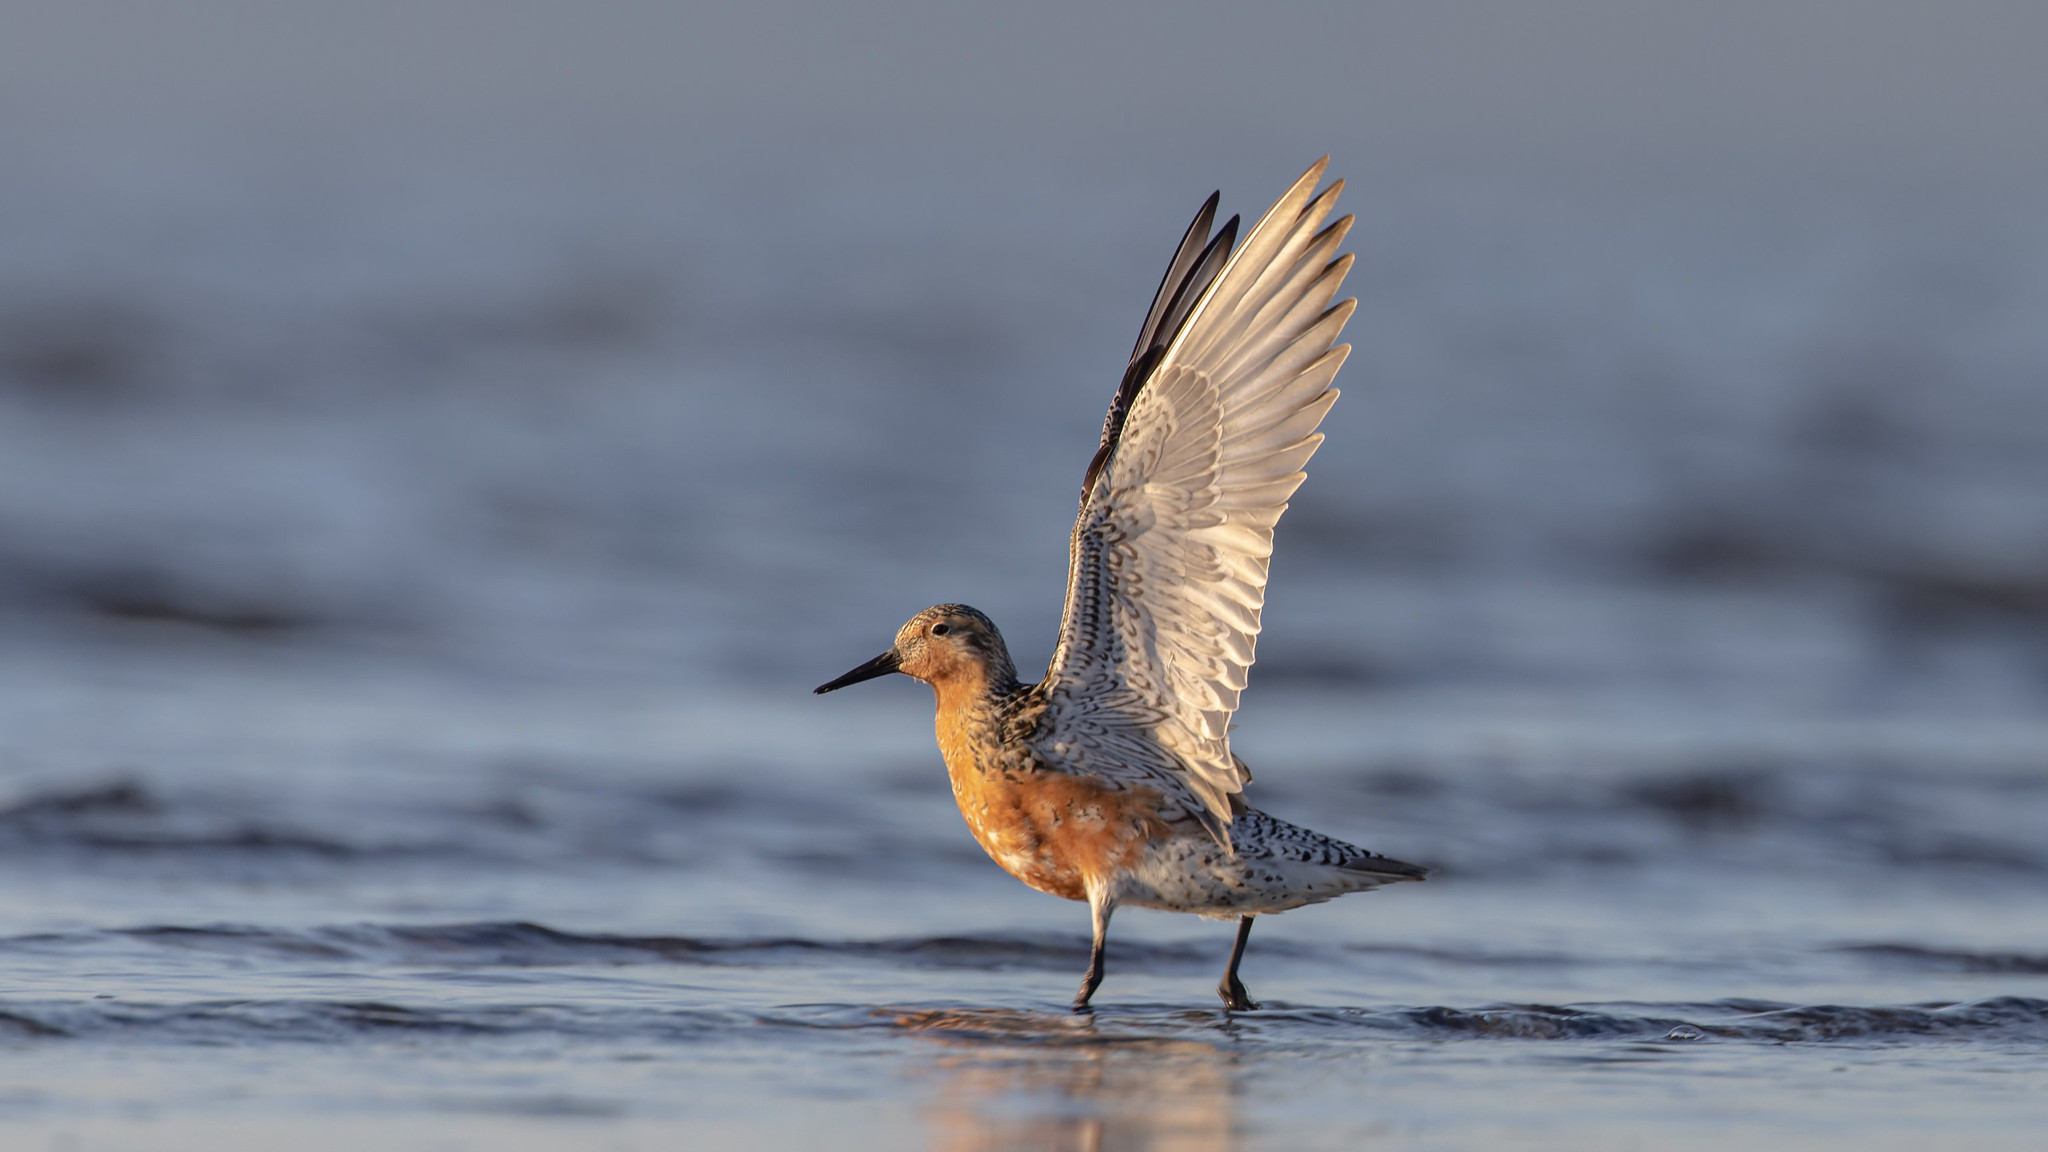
(1101, 905)
(1235, 998)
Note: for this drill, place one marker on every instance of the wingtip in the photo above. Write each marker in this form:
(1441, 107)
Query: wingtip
(1313, 201)
(1388, 868)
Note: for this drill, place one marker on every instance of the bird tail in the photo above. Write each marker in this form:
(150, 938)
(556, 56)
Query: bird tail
(1384, 868)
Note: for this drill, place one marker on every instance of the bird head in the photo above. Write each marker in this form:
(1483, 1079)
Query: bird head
(942, 643)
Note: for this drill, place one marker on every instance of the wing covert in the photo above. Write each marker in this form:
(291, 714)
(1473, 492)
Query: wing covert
(1203, 446)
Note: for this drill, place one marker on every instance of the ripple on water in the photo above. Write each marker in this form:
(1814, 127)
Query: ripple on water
(522, 944)
(2004, 1020)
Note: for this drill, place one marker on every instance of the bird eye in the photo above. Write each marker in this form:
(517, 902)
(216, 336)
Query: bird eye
(940, 629)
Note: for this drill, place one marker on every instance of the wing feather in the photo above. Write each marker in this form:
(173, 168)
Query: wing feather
(1203, 447)
(1192, 244)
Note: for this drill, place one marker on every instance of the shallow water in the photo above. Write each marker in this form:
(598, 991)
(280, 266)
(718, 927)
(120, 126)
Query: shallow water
(570, 914)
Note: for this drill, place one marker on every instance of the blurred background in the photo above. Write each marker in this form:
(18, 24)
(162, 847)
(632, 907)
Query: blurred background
(706, 343)
(442, 443)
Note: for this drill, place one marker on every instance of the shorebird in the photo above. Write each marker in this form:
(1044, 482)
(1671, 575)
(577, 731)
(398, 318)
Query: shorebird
(1111, 780)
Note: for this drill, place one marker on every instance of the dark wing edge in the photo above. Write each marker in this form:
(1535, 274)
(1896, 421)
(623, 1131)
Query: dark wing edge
(1194, 268)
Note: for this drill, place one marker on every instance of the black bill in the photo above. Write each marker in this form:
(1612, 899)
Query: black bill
(881, 665)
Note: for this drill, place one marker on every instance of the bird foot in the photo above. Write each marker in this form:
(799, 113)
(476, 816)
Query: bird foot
(1082, 1007)
(1235, 998)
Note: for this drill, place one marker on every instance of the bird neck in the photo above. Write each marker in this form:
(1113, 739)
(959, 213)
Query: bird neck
(972, 693)
(973, 706)
(973, 689)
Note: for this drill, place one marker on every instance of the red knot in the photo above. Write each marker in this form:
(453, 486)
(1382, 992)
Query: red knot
(1112, 780)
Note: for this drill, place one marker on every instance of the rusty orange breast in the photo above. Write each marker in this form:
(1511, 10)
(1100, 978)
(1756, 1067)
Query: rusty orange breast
(1056, 831)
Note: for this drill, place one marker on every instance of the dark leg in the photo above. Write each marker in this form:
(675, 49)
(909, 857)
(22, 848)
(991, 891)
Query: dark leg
(1235, 998)
(1101, 907)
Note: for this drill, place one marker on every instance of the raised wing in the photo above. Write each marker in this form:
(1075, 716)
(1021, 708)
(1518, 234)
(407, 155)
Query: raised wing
(1201, 450)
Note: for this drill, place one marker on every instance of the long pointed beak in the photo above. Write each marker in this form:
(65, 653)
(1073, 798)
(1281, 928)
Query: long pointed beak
(881, 665)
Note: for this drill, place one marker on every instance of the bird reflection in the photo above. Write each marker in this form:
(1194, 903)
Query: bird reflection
(1017, 1080)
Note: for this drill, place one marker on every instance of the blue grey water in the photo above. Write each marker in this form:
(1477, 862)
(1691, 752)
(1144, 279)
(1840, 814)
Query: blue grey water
(417, 546)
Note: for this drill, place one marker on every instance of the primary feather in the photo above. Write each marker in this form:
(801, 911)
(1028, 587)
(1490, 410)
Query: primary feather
(1201, 451)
